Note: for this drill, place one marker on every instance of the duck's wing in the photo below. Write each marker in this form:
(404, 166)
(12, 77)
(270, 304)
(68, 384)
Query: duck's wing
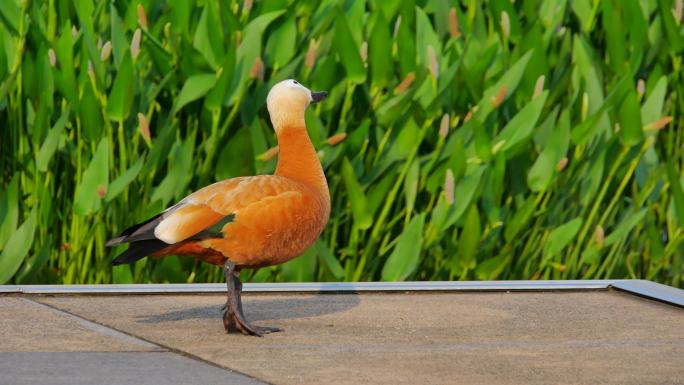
(201, 214)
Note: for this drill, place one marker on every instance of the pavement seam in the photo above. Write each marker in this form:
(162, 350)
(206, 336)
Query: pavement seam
(95, 327)
(142, 339)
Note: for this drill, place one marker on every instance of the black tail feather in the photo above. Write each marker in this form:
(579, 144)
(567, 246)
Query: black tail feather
(116, 241)
(141, 231)
(139, 250)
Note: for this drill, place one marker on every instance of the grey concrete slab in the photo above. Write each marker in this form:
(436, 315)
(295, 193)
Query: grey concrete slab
(28, 326)
(606, 337)
(112, 368)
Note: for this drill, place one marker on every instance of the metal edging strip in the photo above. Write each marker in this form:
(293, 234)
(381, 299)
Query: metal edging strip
(642, 288)
(313, 287)
(651, 290)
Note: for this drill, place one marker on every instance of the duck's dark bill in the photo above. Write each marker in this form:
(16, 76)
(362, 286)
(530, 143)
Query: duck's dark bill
(318, 96)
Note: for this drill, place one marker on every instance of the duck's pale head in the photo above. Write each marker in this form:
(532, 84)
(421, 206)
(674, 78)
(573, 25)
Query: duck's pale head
(287, 102)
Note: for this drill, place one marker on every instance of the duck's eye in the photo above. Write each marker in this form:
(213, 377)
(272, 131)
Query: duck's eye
(295, 82)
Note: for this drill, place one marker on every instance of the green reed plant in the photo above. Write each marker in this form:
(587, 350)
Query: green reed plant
(461, 139)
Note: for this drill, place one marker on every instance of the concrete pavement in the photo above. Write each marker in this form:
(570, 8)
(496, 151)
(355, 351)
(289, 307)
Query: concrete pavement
(586, 337)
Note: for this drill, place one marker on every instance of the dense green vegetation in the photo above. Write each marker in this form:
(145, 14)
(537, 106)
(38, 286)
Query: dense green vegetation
(462, 139)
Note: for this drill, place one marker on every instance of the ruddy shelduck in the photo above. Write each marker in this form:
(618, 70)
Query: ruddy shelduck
(250, 221)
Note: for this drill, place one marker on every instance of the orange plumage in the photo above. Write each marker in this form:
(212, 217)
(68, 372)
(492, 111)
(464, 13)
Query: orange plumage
(276, 219)
(251, 221)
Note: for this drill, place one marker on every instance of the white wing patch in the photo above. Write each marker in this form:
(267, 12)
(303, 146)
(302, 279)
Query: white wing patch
(167, 230)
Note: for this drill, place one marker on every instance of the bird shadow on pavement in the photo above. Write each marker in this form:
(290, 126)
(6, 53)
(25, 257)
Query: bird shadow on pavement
(266, 309)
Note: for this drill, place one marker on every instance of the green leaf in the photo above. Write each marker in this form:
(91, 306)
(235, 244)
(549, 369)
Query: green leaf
(657, 250)
(356, 10)
(348, 50)
(51, 141)
(181, 11)
(498, 7)
(302, 268)
(464, 192)
(491, 268)
(121, 97)
(583, 10)
(122, 273)
(4, 71)
(629, 117)
(259, 146)
(521, 126)
(626, 225)
(161, 147)
(582, 55)
(481, 140)
(469, 241)
(677, 193)
(65, 77)
(248, 51)
(378, 192)
(406, 46)
(237, 157)
(411, 186)
(672, 29)
(357, 198)
(120, 183)
(195, 87)
(520, 219)
(590, 255)
(614, 34)
(179, 174)
(33, 264)
(91, 114)
(10, 14)
(598, 122)
(544, 168)
(388, 7)
(426, 93)
(17, 248)
(391, 110)
(379, 44)
(406, 254)
(425, 38)
(84, 10)
(545, 129)
(94, 181)
(456, 162)
(208, 38)
(594, 177)
(652, 109)
(170, 269)
(281, 44)
(405, 141)
(315, 127)
(510, 80)
(118, 37)
(561, 236)
(217, 95)
(637, 30)
(9, 210)
(329, 260)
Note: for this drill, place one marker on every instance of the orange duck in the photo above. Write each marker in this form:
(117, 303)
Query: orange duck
(251, 221)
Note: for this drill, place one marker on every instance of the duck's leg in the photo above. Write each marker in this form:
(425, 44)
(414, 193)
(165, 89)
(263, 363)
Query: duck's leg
(233, 317)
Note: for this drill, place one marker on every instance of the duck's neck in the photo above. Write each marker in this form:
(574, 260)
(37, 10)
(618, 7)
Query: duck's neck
(297, 159)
